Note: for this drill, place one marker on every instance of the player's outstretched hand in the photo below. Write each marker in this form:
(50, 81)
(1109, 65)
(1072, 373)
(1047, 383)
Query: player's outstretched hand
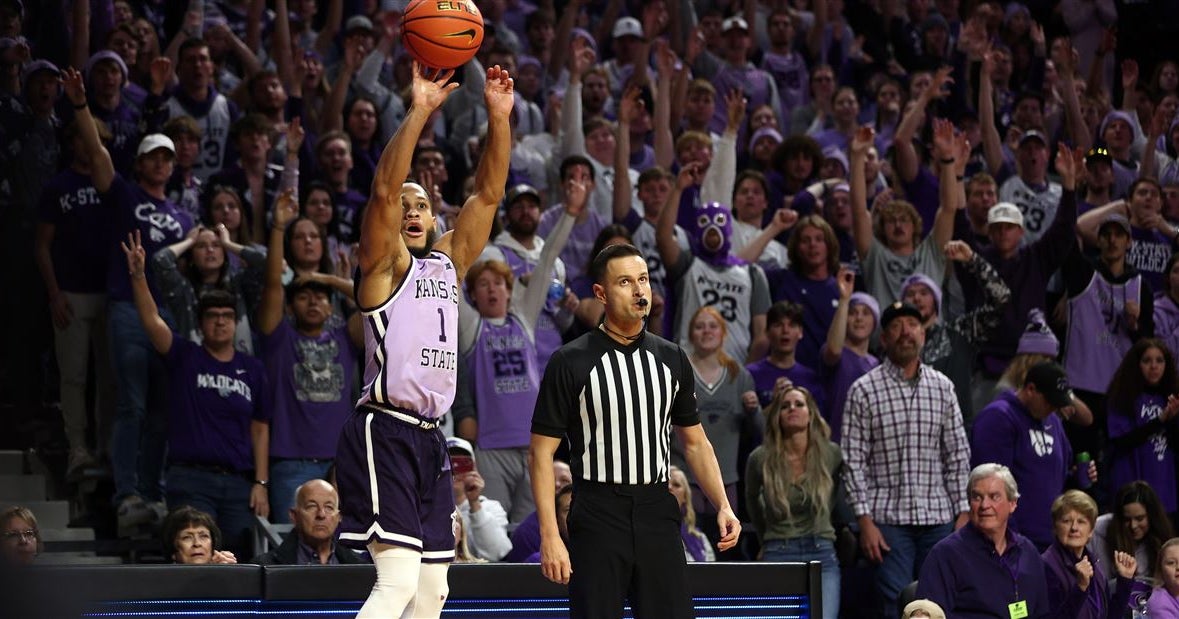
(499, 93)
(431, 89)
(730, 528)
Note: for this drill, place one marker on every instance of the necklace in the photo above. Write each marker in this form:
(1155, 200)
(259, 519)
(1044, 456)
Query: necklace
(629, 338)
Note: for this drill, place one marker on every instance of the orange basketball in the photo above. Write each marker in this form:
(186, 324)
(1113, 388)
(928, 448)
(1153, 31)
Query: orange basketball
(442, 34)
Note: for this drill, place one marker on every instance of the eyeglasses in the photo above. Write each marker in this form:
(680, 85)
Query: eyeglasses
(20, 536)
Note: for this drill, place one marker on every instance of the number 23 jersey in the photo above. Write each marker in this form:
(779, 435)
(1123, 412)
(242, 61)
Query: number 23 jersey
(411, 341)
(738, 292)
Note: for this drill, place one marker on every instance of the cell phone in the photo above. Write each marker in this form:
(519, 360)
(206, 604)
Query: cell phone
(461, 465)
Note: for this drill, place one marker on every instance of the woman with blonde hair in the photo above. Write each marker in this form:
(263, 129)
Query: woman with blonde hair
(791, 487)
(696, 544)
(20, 539)
(726, 401)
(1164, 600)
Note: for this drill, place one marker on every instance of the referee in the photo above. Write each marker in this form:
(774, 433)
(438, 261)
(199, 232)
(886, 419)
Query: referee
(616, 392)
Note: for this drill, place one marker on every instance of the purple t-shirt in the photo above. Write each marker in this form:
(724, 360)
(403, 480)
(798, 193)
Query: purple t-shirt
(576, 254)
(1038, 454)
(922, 192)
(212, 405)
(349, 209)
(765, 374)
(1152, 460)
(81, 238)
(819, 300)
(125, 124)
(159, 222)
(791, 76)
(311, 380)
(839, 378)
(1149, 254)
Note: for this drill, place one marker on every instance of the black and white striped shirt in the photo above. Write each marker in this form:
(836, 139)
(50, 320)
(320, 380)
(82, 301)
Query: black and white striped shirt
(617, 404)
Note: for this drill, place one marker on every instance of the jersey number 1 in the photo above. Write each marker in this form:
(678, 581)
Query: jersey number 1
(442, 320)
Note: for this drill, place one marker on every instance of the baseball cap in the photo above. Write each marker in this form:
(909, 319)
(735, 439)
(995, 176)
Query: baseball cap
(1050, 380)
(734, 22)
(155, 141)
(627, 27)
(1098, 153)
(1116, 219)
(519, 191)
(1032, 134)
(37, 66)
(935, 20)
(455, 443)
(358, 22)
(896, 310)
(105, 54)
(1005, 213)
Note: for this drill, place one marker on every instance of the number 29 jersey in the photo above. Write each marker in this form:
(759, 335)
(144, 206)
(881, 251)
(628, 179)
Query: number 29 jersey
(411, 341)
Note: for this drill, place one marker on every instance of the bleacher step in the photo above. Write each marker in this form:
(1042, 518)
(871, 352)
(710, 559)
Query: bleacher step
(76, 558)
(78, 534)
(12, 462)
(50, 514)
(22, 488)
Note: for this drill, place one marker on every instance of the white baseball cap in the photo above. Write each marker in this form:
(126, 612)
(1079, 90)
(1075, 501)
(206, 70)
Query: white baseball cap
(627, 27)
(734, 22)
(1005, 213)
(154, 141)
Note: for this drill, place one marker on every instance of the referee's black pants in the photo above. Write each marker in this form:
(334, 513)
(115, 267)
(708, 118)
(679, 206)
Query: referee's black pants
(624, 542)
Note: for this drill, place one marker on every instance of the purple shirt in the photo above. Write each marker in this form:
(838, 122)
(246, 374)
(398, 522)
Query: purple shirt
(505, 382)
(1142, 453)
(311, 379)
(819, 300)
(966, 577)
(525, 540)
(791, 76)
(349, 208)
(576, 254)
(765, 374)
(922, 192)
(839, 379)
(1066, 598)
(1036, 451)
(212, 404)
(125, 122)
(71, 204)
(755, 83)
(159, 222)
(1149, 254)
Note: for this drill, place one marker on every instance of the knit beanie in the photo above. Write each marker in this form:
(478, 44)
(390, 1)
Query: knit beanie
(1037, 338)
(927, 281)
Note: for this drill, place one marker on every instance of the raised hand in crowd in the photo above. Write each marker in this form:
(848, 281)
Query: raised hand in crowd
(735, 103)
(74, 86)
(958, 251)
(161, 75)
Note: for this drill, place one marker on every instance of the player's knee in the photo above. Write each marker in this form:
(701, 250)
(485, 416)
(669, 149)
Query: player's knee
(397, 580)
(432, 590)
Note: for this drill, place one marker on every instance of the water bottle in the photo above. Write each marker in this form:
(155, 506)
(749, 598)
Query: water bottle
(1083, 481)
(555, 291)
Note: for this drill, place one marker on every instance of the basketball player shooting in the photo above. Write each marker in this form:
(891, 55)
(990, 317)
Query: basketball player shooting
(391, 465)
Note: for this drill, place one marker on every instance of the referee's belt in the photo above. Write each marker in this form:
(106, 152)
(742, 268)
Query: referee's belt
(405, 416)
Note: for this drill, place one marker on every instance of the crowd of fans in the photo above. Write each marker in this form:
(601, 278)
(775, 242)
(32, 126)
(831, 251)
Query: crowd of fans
(898, 240)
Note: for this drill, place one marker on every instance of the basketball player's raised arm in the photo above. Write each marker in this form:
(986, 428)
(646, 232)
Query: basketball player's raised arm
(383, 257)
(473, 227)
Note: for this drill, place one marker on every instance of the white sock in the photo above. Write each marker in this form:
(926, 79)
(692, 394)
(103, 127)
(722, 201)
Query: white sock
(432, 592)
(397, 581)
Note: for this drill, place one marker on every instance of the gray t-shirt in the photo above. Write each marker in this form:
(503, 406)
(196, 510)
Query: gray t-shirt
(884, 271)
(722, 415)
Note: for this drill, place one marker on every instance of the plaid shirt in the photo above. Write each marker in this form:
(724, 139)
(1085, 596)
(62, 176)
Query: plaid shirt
(905, 448)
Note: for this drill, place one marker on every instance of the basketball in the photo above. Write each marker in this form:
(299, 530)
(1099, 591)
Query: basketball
(442, 34)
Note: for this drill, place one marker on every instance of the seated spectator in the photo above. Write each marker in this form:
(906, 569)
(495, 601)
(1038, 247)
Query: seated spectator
(20, 539)
(1077, 586)
(484, 519)
(219, 412)
(1021, 431)
(922, 609)
(191, 537)
(1137, 525)
(1164, 601)
(697, 547)
(313, 541)
(985, 569)
(791, 484)
(526, 537)
(564, 500)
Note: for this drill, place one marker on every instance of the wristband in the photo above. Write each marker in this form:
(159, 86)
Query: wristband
(261, 482)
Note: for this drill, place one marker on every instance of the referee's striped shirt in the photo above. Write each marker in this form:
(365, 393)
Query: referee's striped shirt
(617, 404)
